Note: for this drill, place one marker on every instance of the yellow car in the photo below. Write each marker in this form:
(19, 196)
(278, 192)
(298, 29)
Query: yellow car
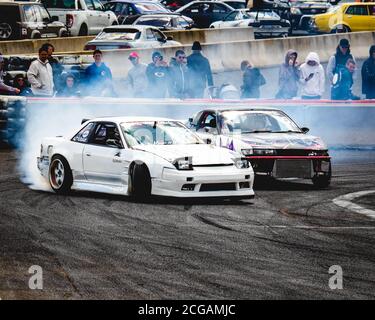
(346, 17)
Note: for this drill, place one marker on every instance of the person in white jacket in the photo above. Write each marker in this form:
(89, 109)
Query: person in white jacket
(40, 75)
(312, 77)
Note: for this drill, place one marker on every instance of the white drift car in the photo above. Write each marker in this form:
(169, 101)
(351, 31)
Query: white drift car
(143, 156)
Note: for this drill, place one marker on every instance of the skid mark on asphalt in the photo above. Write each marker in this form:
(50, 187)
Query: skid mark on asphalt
(345, 201)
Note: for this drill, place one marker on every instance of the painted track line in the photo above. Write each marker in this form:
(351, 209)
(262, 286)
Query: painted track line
(345, 201)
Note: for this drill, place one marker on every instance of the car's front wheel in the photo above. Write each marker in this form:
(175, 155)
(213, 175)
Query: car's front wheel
(139, 182)
(60, 175)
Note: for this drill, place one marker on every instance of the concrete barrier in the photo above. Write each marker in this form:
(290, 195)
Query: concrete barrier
(76, 44)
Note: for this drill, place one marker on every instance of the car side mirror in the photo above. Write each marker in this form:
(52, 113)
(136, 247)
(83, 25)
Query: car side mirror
(46, 20)
(208, 141)
(54, 18)
(113, 143)
(305, 130)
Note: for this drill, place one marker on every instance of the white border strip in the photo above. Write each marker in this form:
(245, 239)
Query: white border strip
(345, 201)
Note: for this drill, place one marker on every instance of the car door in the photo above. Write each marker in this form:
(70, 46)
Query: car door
(103, 17)
(356, 17)
(103, 155)
(92, 17)
(194, 12)
(50, 30)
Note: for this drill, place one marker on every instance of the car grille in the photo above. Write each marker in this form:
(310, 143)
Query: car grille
(313, 10)
(300, 152)
(292, 169)
(217, 187)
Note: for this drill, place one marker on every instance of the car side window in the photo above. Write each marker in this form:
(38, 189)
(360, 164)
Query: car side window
(193, 9)
(105, 133)
(83, 135)
(97, 5)
(89, 4)
(182, 22)
(43, 12)
(219, 8)
(149, 35)
(371, 9)
(231, 16)
(123, 9)
(30, 15)
(208, 120)
(158, 35)
(357, 10)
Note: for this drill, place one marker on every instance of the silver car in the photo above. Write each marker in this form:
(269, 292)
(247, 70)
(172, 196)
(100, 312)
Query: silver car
(129, 36)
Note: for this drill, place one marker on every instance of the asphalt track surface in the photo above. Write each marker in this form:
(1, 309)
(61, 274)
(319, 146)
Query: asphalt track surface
(278, 245)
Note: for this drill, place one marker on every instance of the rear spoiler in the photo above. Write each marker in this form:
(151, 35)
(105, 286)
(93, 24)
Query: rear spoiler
(84, 120)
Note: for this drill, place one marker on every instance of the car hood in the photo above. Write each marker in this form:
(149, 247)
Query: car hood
(283, 141)
(202, 154)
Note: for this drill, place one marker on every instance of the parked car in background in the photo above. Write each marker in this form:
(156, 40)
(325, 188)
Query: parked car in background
(28, 20)
(264, 23)
(82, 17)
(165, 21)
(205, 12)
(345, 17)
(301, 11)
(126, 8)
(269, 139)
(129, 36)
(140, 157)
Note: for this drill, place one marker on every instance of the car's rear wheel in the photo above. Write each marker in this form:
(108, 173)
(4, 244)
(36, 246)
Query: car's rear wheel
(139, 182)
(60, 175)
(341, 29)
(83, 31)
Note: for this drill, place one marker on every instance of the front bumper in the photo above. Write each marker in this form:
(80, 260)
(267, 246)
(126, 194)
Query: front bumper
(305, 167)
(218, 181)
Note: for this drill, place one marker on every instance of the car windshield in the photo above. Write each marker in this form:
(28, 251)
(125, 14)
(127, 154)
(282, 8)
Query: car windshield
(158, 133)
(255, 122)
(117, 34)
(145, 7)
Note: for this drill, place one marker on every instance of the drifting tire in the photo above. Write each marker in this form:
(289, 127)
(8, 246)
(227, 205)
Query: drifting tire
(60, 175)
(6, 31)
(140, 182)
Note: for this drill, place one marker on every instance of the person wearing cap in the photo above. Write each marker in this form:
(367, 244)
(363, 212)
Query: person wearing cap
(137, 78)
(3, 87)
(40, 75)
(99, 77)
(158, 75)
(200, 71)
(337, 61)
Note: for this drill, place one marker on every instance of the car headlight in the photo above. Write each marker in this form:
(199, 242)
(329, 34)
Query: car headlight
(264, 152)
(185, 163)
(295, 11)
(241, 163)
(247, 152)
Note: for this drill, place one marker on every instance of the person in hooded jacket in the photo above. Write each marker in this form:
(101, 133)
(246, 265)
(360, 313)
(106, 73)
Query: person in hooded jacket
(288, 76)
(158, 76)
(179, 76)
(368, 75)
(252, 81)
(312, 78)
(337, 61)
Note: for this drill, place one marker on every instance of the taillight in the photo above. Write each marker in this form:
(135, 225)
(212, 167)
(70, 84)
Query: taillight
(89, 47)
(69, 20)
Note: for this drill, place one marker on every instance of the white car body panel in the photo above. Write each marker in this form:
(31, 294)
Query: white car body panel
(106, 169)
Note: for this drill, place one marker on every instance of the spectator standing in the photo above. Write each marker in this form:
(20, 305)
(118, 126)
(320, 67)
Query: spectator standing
(252, 81)
(40, 75)
(368, 75)
(158, 76)
(179, 76)
(137, 78)
(312, 78)
(200, 71)
(99, 77)
(3, 86)
(288, 76)
(338, 60)
(343, 81)
(69, 89)
(57, 68)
